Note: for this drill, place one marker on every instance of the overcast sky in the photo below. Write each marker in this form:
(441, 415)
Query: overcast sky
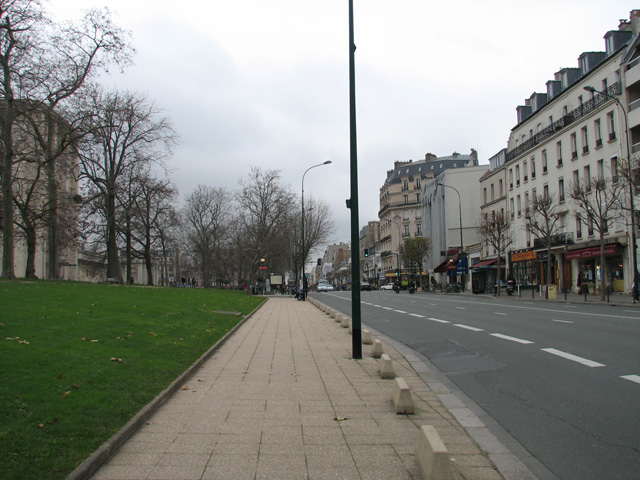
(265, 82)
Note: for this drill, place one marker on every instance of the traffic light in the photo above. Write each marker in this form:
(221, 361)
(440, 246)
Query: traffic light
(366, 252)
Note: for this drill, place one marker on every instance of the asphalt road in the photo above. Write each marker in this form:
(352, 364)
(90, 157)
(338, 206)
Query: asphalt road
(562, 379)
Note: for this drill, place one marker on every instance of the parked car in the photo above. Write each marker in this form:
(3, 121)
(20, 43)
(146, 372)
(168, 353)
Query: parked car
(365, 286)
(325, 287)
(388, 286)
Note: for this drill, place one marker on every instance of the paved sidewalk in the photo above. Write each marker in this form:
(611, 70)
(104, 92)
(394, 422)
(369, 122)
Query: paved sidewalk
(282, 399)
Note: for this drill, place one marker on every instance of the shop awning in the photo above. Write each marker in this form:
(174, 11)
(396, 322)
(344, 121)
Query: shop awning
(447, 265)
(485, 263)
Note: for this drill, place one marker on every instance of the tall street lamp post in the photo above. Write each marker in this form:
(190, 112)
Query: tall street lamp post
(460, 211)
(631, 202)
(304, 253)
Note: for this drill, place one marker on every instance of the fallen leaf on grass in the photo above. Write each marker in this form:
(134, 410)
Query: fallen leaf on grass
(184, 388)
(341, 419)
(114, 359)
(64, 394)
(154, 334)
(94, 341)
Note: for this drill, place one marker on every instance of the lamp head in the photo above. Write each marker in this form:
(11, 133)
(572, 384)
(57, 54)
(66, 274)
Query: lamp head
(589, 88)
(327, 162)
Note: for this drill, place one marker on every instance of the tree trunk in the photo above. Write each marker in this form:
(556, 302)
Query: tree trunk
(52, 236)
(8, 259)
(113, 261)
(603, 268)
(30, 271)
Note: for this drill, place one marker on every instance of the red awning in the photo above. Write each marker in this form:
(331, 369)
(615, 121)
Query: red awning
(448, 264)
(485, 263)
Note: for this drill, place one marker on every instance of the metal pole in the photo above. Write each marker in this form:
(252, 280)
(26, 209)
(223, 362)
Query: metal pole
(461, 244)
(353, 202)
(304, 255)
(631, 201)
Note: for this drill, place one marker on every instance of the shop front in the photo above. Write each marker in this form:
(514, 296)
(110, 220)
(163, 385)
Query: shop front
(525, 268)
(586, 264)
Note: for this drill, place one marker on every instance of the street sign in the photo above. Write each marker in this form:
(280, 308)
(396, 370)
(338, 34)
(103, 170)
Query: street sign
(263, 268)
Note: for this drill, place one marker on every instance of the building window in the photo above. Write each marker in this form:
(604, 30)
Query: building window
(561, 189)
(559, 153)
(510, 178)
(417, 186)
(545, 191)
(614, 169)
(576, 179)
(600, 167)
(405, 215)
(533, 168)
(598, 132)
(590, 225)
(493, 193)
(405, 185)
(419, 230)
(500, 187)
(574, 146)
(578, 227)
(544, 161)
(585, 140)
(519, 203)
(406, 199)
(406, 231)
(418, 198)
(517, 175)
(418, 214)
(484, 194)
(587, 178)
(611, 126)
(525, 170)
(512, 207)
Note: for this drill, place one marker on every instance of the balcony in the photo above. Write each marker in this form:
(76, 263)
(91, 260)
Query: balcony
(585, 109)
(558, 239)
(632, 74)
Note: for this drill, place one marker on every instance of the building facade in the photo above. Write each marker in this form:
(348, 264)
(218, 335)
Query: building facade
(401, 204)
(564, 139)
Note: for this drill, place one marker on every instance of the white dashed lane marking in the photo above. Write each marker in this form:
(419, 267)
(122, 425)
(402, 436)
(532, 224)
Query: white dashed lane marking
(438, 320)
(512, 339)
(569, 356)
(632, 378)
(467, 327)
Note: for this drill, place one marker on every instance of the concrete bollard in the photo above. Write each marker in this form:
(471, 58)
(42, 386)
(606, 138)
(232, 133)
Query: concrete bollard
(376, 349)
(401, 396)
(344, 323)
(432, 456)
(367, 338)
(385, 367)
(339, 318)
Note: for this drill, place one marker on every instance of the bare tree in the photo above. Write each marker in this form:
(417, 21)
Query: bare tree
(417, 250)
(495, 231)
(598, 205)
(19, 31)
(153, 205)
(265, 205)
(125, 129)
(205, 218)
(44, 64)
(543, 219)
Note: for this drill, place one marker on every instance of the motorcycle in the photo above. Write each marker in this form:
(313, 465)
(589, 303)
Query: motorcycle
(510, 286)
(396, 288)
(412, 289)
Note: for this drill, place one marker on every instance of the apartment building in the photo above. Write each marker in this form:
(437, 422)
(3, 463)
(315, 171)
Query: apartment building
(401, 203)
(565, 137)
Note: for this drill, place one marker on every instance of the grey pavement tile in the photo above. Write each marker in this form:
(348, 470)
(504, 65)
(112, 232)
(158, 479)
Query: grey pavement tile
(328, 472)
(184, 460)
(121, 472)
(134, 459)
(167, 472)
(282, 449)
(281, 467)
(189, 443)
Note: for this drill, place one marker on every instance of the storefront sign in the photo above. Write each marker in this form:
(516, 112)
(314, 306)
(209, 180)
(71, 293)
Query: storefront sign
(590, 252)
(523, 256)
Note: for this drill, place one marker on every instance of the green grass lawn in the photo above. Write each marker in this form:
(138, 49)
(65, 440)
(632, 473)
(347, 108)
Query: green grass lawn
(79, 360)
